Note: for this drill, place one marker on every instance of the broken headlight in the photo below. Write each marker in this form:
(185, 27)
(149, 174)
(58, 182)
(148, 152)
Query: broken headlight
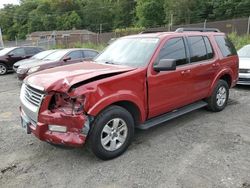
(63, 103)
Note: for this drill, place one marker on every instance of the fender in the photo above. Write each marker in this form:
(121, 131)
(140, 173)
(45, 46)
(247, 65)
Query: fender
(118, 97)
(223, 72)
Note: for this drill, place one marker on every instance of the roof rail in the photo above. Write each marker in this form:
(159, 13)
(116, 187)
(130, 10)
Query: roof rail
(181, 30)
(157, 31)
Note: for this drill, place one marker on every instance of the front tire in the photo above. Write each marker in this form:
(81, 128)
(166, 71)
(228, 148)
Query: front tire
(111, 133)
(3, 69)
(219, 98)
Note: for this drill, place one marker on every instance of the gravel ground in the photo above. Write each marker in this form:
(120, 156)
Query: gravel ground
(200, 149)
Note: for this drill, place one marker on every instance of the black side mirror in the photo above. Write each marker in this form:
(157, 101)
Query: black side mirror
(66, 58)
(165, 65)
(10, 54)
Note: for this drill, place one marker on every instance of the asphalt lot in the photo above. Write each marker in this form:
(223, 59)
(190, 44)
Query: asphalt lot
(200, 149)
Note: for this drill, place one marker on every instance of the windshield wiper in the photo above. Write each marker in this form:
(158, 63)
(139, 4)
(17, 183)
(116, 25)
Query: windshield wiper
(109, 62)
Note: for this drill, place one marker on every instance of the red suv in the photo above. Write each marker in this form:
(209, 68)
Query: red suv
(138, 82)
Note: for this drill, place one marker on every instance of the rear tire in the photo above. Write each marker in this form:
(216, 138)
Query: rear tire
(219, 98)
(3, 69)
(111, 133)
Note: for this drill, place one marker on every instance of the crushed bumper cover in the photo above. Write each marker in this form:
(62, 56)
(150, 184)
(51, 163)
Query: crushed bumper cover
(75, 135)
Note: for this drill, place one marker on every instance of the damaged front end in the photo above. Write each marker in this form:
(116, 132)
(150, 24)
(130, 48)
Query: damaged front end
(57, 118)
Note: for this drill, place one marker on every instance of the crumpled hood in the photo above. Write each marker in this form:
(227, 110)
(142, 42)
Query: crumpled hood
(244, 63)
(62, 78)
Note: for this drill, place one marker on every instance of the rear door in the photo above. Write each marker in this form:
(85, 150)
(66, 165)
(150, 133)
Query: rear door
(168, 90)
(204, 65)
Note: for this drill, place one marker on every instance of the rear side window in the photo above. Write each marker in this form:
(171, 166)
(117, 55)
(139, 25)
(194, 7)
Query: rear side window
(198, 49)
(174, 49)
(30, 51)
(89, 53)
(226, 46)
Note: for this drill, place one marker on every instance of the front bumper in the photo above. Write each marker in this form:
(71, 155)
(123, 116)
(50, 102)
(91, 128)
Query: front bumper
(77, 128)
(244, 79)
(21, 76)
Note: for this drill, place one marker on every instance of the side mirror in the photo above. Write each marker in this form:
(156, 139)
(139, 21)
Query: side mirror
(165, 65)
(10, 54)
(66, 58)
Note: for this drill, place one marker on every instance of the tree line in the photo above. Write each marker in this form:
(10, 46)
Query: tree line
(16, 21)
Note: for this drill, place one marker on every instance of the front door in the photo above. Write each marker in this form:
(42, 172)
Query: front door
(168, 90)
(16, 55)
(75, 57)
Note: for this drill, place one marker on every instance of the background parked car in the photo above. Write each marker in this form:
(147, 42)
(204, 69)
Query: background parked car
(244, 71)
(33, 59)
(58, 58)
(9, 56)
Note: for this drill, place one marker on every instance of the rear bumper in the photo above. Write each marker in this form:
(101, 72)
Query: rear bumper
(75, 135)
(244, 79)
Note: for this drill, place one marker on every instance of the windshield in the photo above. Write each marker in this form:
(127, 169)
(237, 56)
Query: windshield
(5, 51)
(56, 55)
(244, 52)
(134, 52)
(43, 54)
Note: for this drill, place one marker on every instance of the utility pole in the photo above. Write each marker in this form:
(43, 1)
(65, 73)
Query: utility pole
(205, 24)
(100, 28)
(248, 26)
(170, 25)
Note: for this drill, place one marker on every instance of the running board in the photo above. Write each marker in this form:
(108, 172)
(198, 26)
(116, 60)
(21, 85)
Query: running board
(171, 115)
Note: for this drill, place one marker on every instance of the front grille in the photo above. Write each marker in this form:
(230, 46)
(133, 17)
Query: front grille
(244, 70)
(33, 96)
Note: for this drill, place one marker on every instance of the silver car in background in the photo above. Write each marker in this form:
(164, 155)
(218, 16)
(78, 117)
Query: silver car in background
(244, 69)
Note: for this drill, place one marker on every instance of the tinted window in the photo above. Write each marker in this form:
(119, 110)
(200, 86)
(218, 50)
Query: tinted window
(210, 53)
(174, 49)
(75, 55)
(198, 49)
(18, 52)
(89, 53)
(31, 51)
(226, 46)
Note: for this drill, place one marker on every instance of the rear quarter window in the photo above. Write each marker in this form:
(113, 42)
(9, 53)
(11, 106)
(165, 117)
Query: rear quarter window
(226, 46)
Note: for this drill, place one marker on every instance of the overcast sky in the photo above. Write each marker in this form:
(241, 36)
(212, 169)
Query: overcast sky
(2, 2)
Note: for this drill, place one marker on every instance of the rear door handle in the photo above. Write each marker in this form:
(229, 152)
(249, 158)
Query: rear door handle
(185, 72)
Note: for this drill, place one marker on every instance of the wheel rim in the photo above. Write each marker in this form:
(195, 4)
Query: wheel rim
(2, 69)
(221, 96)
(114, 134)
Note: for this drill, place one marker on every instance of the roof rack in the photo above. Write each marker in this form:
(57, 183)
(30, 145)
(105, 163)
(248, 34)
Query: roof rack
(157, 31)
(181, 30)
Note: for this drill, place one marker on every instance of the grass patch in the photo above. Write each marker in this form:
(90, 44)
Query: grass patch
(239, 41)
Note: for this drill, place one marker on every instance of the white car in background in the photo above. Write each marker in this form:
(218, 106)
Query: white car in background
(244, 69)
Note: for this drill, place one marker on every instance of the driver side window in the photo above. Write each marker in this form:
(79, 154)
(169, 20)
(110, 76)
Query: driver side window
(18, 52)
(174, 49)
